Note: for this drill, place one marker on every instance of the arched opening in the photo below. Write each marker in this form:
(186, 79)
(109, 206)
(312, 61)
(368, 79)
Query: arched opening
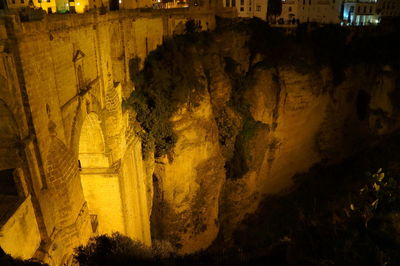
(91, 144)
(100, 182)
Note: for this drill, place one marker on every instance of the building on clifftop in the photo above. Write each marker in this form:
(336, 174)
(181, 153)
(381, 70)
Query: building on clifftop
(248, 8)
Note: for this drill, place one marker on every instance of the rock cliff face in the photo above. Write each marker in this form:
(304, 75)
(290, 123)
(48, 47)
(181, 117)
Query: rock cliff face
(257, 125)
(187, 189)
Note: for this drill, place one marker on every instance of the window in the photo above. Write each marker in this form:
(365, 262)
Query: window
(249, 8)
(233, 3)
(241, 9)
(242, 2)
(290, 9)
(358, 9)
(13, 1)
(258, 8)
(22, 1)
(227, 4)
(365, 9)
(352, 9)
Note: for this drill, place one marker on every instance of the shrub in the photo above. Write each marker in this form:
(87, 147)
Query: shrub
(168, 80)
(116, 249)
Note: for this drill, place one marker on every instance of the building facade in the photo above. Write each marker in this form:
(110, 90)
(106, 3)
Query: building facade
(387, 9)
(360, 12)
(303, 11)
(249, 8)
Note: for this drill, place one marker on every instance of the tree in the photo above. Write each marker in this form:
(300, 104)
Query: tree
(274, 9)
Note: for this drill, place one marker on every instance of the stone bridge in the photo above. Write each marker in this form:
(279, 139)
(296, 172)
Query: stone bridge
(70, 161)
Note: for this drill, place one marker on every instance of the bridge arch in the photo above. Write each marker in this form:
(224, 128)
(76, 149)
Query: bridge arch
(100, 181)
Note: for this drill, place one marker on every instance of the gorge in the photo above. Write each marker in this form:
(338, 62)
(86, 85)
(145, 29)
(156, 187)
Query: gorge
(182, 129)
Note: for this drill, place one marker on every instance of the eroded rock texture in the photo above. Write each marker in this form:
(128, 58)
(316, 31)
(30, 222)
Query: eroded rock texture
(261, 120)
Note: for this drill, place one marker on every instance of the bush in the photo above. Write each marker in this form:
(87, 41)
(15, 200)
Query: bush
(168, 80)
(116, 249)
(7, 260)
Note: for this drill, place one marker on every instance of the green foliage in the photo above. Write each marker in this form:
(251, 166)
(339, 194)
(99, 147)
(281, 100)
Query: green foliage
(7, 260)
(228, 129)
(338, 215)
(378, 196)
(116, 249)
(239, 164)
(168, 80)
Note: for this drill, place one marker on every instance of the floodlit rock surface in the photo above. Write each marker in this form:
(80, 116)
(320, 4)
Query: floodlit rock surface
(257, 126)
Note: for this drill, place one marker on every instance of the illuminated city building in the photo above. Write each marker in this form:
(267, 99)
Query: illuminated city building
(387, 9)
(170, 3)
(360, 12)
(249, 8)
(302, 11)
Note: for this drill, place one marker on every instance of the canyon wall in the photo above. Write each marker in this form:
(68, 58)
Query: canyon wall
(254, 122)
(257, 126)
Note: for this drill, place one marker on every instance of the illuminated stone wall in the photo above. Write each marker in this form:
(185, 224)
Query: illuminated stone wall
(64, 80)
(20, 234)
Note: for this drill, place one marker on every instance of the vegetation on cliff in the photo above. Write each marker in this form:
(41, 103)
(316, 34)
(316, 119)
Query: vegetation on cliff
(343, 214)
(168, 80)
(7, 260)
(177, 73)
(337, 215)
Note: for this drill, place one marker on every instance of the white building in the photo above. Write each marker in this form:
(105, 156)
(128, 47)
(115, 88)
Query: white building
(360, 12)
(388, 8)
(321, 11)
(302, 11)
(249, 8)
